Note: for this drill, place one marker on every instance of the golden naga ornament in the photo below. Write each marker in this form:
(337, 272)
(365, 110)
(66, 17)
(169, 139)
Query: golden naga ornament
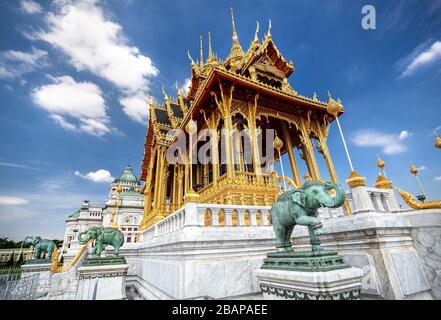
(411, 202)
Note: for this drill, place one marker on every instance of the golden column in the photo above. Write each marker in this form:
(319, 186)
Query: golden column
(191, 195)
(252, 108)
(308, 152)
(414, 171)
(354, 179)
(323, 132)
(292, 159)
(278, 145)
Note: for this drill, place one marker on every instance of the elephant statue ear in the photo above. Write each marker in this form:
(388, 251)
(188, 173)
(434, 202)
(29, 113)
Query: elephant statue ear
(298, 197)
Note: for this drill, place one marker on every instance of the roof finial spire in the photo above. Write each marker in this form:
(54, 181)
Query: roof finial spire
(165, 94)
(189, 57)
(177, 87)
(256, 35)
(235, 37)
(200, 53)
(269, 28)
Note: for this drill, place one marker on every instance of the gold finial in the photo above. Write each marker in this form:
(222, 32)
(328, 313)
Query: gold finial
(256, 34)
(382, 182)
(200, 53)
(380, 163)
(278, 144)
(333, 107)
(165, 94)
(314, 96)
(413, 170)
(189, 57)
(437, 140)
(269, 28)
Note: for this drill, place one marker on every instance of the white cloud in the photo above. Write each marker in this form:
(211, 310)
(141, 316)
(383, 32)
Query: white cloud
(17, 165)
(79, 100)
(186, 86)
(404, 134)
(62, 122)
(30, 6)
(423, 59)
(389, 143)
(14, 63)
(82, 31)
(438, 179)
(100, 176)
(422, 168)
(12, 201)
(136, 107)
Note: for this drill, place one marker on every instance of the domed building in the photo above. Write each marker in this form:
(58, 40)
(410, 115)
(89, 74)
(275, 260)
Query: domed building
(123, 209)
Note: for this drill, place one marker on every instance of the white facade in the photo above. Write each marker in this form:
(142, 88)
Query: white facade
(130, 203)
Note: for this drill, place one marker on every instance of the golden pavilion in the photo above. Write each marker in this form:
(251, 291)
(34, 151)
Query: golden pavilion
(248, 90)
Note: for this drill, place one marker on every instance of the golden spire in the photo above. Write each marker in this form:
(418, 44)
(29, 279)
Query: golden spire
(200, 53)
(211, 57)
(381, 164)
(236, 53)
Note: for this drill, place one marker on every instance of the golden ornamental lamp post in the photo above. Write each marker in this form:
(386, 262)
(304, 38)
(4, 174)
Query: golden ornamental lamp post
(437, 140)
(382, 182)
(414, 170)
(278, 144)
(115, 212)
(191, 195)
(354, 179)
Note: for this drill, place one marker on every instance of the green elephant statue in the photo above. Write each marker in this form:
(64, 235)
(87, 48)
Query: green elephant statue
(103, 236)
(41, 245)
(299, 207)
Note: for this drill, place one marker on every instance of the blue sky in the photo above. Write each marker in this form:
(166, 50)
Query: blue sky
(74, 80)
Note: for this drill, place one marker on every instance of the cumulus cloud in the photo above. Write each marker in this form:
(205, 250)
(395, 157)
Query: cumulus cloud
(12, 201)
(30, 6)
(99, 176)
(82, 31)
(389, 143)
(82, 101)
(186, 86)
(420, 59)
(136, 107)
(14, 63)
(404, 134)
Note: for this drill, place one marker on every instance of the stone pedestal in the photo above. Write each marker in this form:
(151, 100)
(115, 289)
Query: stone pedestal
(308, 276)
(102, 279)
(42, 267)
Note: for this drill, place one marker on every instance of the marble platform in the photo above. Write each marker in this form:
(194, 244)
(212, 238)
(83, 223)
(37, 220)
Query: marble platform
(102, 282)
(339, 284)
(42, 267)
(180, 258)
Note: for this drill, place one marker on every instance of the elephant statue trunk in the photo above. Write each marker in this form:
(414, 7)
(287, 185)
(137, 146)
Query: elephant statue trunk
(340, 195)
(83, 237)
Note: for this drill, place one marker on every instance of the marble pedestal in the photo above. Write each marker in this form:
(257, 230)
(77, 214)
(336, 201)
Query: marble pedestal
(308, 276)
(102, 281)
(340, 284)
(42, 267)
